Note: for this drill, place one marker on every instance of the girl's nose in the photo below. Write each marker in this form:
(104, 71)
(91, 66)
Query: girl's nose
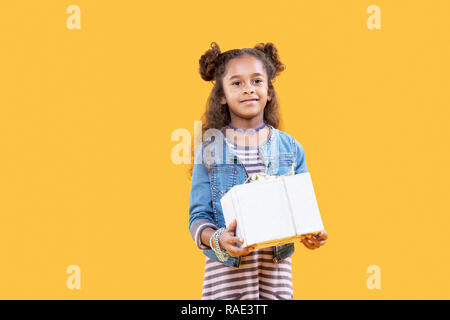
(249, 89)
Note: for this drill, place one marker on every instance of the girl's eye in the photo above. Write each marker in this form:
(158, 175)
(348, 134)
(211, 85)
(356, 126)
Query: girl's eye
(255, 80)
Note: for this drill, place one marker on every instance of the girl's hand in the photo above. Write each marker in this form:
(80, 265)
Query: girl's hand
(227, 241)
(314, 241)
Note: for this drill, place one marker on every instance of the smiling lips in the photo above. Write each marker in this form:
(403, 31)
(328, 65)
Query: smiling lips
(249, 101)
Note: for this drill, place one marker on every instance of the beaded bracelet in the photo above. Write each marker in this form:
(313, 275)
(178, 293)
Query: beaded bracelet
(214, 244)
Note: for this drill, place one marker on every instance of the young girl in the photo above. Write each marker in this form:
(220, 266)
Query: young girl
(242, 115)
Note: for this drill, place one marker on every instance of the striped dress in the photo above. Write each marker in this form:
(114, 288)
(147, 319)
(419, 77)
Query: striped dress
(258, 277)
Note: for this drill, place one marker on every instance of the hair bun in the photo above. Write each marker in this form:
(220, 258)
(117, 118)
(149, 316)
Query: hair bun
(208, 62)
(271, 53)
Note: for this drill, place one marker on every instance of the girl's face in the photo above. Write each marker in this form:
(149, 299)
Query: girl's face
(244, 79)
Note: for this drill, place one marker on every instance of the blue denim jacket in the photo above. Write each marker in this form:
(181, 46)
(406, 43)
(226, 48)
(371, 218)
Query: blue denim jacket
(217, 168)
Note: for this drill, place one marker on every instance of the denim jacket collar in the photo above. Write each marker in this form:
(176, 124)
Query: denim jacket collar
(268, 151)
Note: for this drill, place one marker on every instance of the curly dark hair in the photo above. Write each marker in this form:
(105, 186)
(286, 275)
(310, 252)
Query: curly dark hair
(213, 65)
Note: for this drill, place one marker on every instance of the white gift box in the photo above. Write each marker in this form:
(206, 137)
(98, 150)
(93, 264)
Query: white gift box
(273, 212)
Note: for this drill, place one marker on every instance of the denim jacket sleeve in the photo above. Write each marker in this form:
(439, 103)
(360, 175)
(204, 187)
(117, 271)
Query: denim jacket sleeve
(300, 166)
(200, 206)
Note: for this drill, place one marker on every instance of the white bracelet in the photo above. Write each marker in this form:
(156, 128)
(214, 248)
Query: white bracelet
(214, 244)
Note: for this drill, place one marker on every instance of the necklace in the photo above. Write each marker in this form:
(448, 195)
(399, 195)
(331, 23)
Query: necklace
(247, 130)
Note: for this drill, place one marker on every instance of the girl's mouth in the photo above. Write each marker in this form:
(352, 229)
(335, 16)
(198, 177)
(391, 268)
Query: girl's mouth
(249, 101)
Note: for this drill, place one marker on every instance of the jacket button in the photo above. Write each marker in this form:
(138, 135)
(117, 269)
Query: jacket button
(275, 260)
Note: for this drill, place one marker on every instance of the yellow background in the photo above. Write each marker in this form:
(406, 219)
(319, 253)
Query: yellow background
(86, 118)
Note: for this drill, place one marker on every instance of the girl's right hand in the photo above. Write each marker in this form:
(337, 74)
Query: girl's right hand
(228, 239)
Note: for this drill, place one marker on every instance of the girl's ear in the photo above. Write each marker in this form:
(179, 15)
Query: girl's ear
(223, 100)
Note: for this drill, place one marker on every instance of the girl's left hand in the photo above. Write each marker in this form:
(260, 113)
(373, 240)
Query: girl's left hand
(314, 241)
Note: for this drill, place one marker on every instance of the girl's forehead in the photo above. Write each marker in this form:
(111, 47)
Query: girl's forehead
(244, 66)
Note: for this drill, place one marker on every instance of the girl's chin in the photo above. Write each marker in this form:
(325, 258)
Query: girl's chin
(248, 115)
(247, 112)
(250, 108)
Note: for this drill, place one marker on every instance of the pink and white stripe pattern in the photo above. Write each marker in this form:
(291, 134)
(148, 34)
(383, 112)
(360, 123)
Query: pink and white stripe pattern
(257, 278)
